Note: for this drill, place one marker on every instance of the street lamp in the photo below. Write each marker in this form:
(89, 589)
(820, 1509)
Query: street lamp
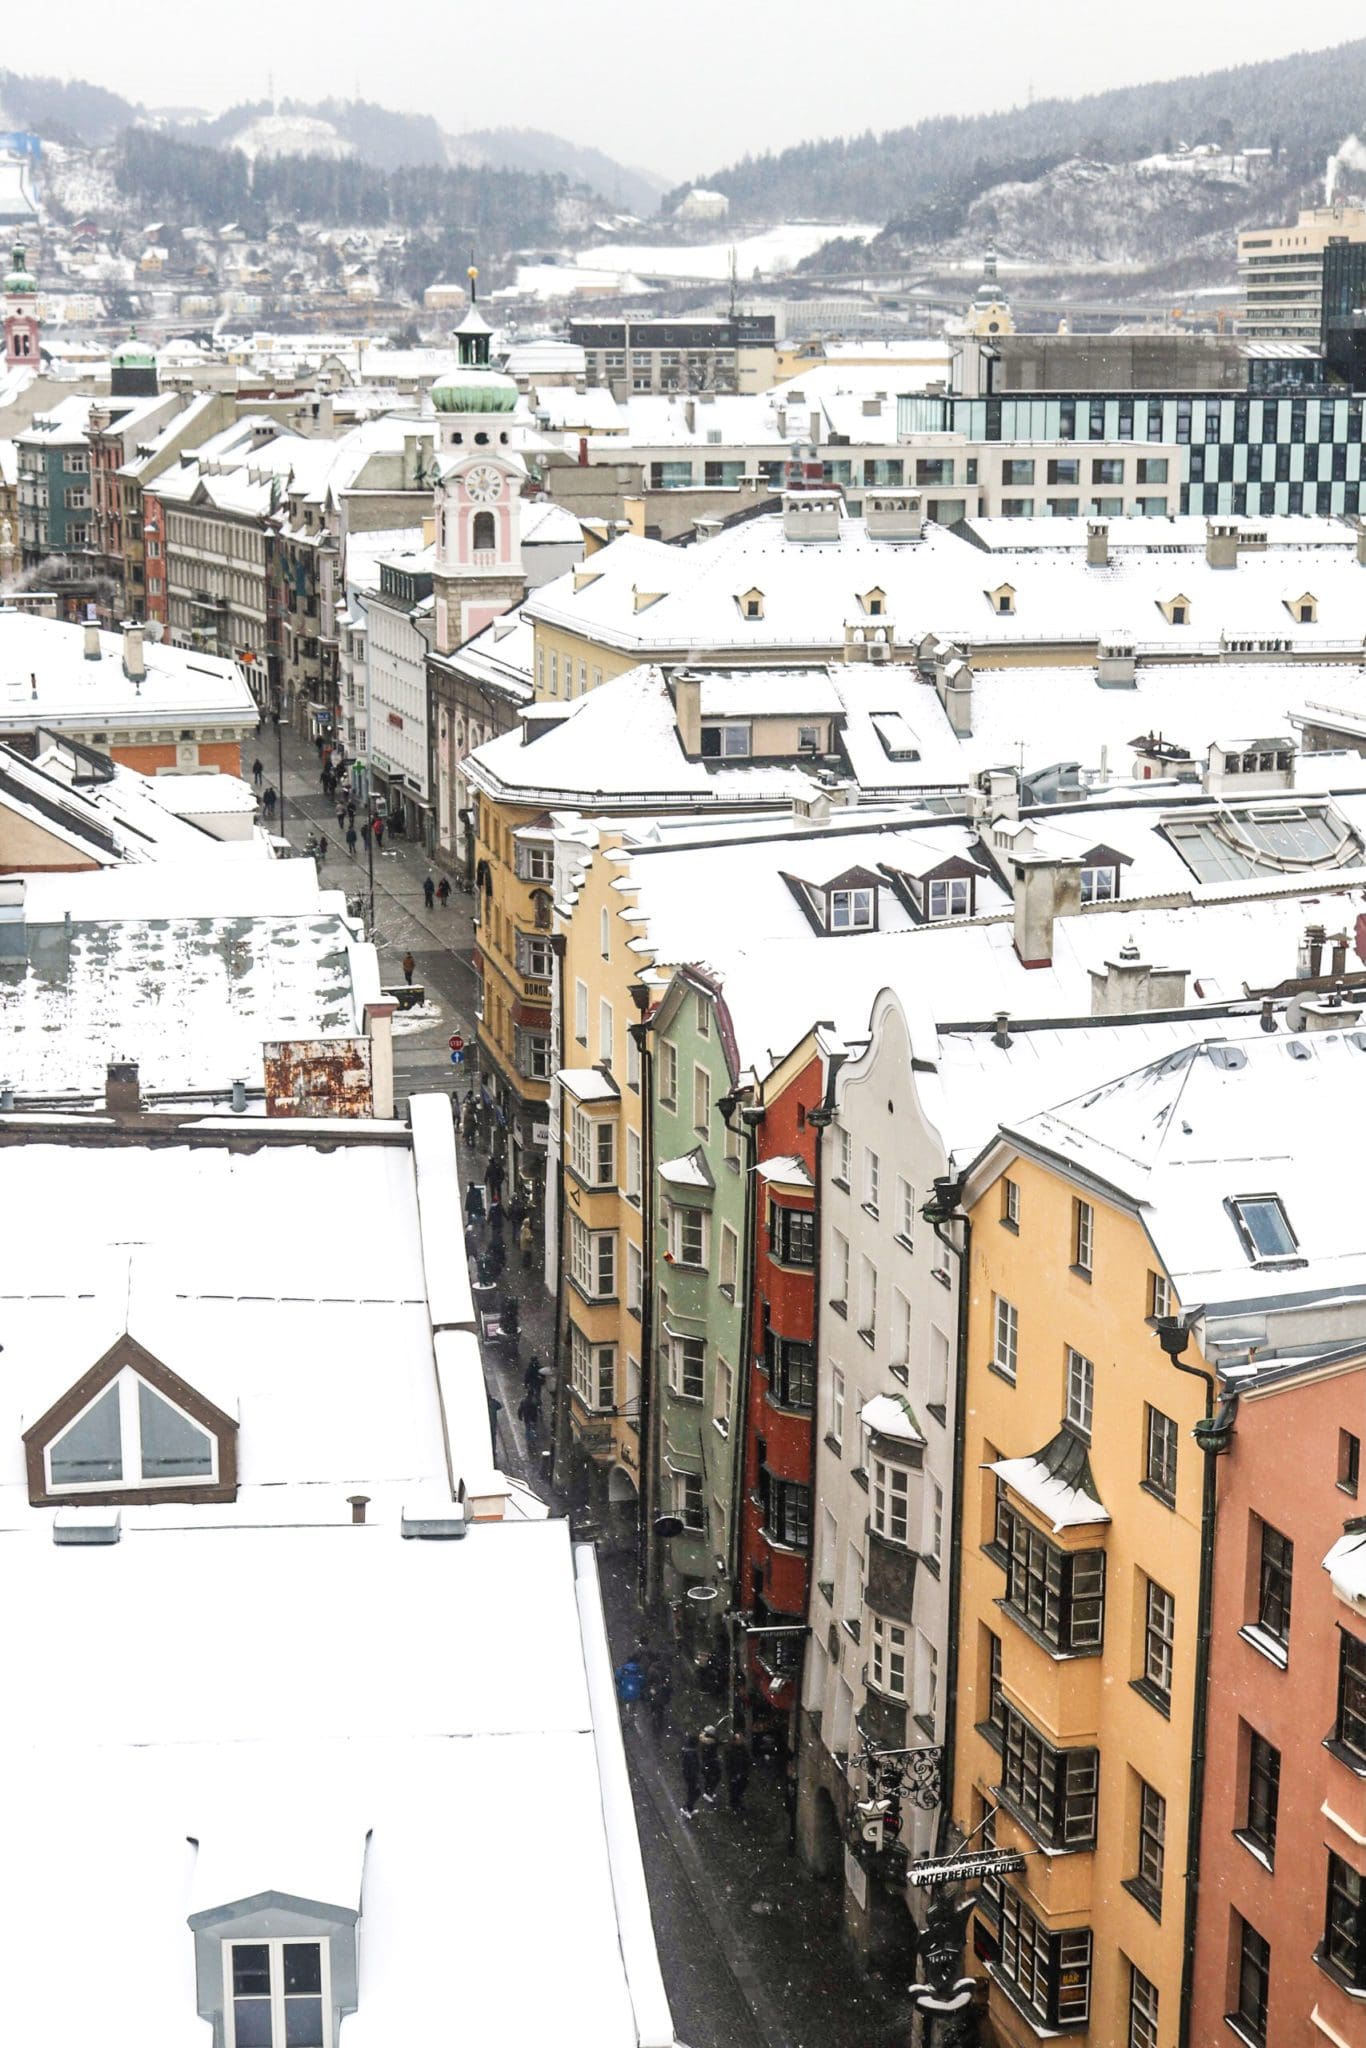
(279, 752)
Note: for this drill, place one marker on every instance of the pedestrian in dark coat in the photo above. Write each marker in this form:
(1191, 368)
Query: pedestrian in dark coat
(471, 1241)
(408, 964)
(474, 1202)
(428, 891)
(496, 1257)
(691, 1764)
(737, 1770)
(350, 814)
(258, 769)
(269, 800)
(443, 892)
(496, 1218)
(351, 841)
(341, 818)
(493, 1175)
(322, 848)
(534, 1375)
(709, 1751)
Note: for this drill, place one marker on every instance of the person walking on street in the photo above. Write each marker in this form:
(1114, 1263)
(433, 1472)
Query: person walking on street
(496, 1217)
(709, 1753)
(351, 840)
(341, 818)
(350, 813)
(408, 964)
(526, 1241)
(443, 891)
(258, 770)
(474, 1202)
(322, 848)
(659, 1691)
(493, 1175)
(377, 827)
(691, 1765)
(428, 889)
(268, 801)
(630, 1686)
(737, 1771)
(529, 1415)
(534, 1376)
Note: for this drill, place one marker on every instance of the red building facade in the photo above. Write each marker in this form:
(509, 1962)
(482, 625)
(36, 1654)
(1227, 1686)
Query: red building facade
(1280, 1951)
(780, 1450)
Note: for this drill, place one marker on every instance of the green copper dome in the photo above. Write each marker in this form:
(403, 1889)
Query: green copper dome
(133, 355)
(469, 389)
(18, 278)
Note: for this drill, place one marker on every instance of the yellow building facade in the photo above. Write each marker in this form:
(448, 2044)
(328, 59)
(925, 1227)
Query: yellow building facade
(1080, 1562)
(514, 958)
(600, 1137)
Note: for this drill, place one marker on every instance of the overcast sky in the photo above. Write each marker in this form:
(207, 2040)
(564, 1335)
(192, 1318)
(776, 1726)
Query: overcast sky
(679, 90)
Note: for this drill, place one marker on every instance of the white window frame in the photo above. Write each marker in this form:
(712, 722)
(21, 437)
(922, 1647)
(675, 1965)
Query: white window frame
(593, 1260)
(1083, 1237)
(837, 1405)
(606, 1032)
(872, 1179)
(701, 1100)
(728, 1260)
(592, 1371)
(635, 1168)
(635, 1277)
(867, 1297)
(889, 1667)
(949, 896)
(1100, 885)
(127, 1381)
(581, 1012)
(723, 1393)
(681, 1217)
(690, 1501)
(905, 1209)
(702, 1016)
(276, 1945)
(593, 1148)
(605, 933)
(851, 910)
(934, 1523)
(899, 1352)
(845, 1158)
(839, 1266)
(889, 1491)
(1005, 1348)
(632, 1059)
(685, 1383)
(1080, 1402)
(668, 1073)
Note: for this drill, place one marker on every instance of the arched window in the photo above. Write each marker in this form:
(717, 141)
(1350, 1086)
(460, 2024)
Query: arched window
(484, 532)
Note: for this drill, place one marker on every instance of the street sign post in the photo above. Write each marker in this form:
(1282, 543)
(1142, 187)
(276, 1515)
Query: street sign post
(456, 1042)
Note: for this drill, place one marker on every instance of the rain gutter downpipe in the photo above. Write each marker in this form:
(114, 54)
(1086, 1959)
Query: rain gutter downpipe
(944, 1208)
(1214, 1435)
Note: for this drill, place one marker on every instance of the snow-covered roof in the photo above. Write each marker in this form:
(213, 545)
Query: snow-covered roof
(544, 523)
(588, 1084)
(940, 584)
(1346, 1567)
(1057, 1486)
(47, 679)
(891, 1415)
(688, 1171)
(787, 1169)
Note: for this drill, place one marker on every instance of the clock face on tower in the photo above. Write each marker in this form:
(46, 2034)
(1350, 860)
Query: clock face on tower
(483, 484)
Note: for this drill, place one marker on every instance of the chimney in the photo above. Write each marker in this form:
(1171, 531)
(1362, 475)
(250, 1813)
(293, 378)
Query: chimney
(953, 682)
(1129, 986)
(1221, 544)
(688, 714)
(1116, 665)
(811, 515)
(358, 1503)
(1097, 544)
(1268, 1016)
(1310, 965)
(1046, 888)
(1339, 945)
(239, 1097)
(1334, 1011)
(92, 640)
(134, 660)
(122, 1095)
(1001, 1035)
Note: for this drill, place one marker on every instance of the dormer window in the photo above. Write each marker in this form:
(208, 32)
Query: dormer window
(276, 1994)
(731, 740)
(751, 603)
(1265, 1229)
(851, 910)
(1099, 885)
(950, 898)
(1176, 610)
(1304, 609)
(131, 1430)
(875, 603)
(1002, 600)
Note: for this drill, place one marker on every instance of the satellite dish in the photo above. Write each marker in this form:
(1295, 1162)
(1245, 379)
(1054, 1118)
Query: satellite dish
(668, 1525)
(154, 629)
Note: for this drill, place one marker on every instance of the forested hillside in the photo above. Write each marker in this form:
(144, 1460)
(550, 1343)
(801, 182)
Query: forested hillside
(928, 175)
(185, 181)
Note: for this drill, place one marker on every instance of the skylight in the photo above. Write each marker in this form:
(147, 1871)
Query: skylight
(1264, 1228)
(1236, 841)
